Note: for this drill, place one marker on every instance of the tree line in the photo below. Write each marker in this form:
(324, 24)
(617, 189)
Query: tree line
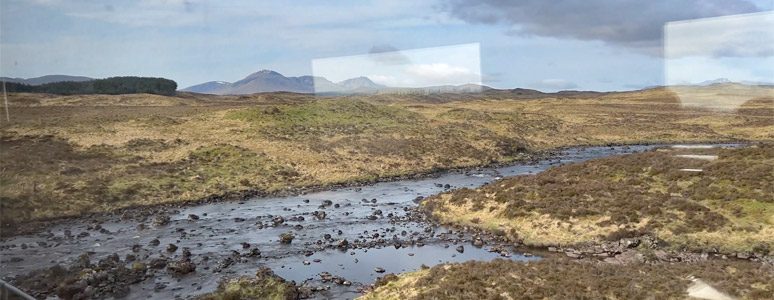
(112, 86)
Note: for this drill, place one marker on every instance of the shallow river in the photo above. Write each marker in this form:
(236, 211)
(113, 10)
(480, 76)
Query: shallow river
(221, 230)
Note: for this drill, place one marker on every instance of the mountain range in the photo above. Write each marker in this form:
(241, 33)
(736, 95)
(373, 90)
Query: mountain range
(271, 81)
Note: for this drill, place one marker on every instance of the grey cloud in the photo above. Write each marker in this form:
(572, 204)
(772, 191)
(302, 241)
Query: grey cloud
(388, 55)
(634, 24)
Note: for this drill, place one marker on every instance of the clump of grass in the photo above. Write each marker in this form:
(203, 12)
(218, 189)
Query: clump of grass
(265, 285)
(327, 118)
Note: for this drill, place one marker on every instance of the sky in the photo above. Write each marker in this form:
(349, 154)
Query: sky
(547, 45)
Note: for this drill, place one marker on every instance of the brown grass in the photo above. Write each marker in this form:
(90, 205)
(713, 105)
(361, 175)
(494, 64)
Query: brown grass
(552, 278)
(728, 206)
(66, 155)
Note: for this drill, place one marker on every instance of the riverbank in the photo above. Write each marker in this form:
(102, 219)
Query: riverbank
(144, 211)
(554, 278)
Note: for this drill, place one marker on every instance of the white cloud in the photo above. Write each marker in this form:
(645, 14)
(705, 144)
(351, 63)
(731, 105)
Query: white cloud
(438, 72)
(553, 85)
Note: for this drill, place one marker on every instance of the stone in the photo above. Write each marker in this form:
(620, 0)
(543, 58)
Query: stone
(286, 238)
(182, 267)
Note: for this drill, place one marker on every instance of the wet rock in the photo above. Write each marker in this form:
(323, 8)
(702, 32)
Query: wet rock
(286, 238)
(343, 244)
(139, 267)
(245, 245)
(161, 221)
(154, 242)
(186, 252)
(371, 217)
(193, 217)
(84, 261)
(238, 219)
(379, 270)
(171, 248)
(278, 220)
(298, 227)
(478, 243)
(527, 254)
(447, 186)
(306, 263)
(319, 215)
(327, 203)
(158, 263)
(255, 252)
(377, 212)
(325, 276)
(83, 234)
(181, 267)
(136, 248)
(460, 249)
(373, 200)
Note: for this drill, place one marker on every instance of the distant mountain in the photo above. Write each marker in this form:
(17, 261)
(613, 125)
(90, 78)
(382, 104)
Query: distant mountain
(207, 87)
(46, 79)
(271, 81)
(726, 81)
(358, 82)
(258, 82)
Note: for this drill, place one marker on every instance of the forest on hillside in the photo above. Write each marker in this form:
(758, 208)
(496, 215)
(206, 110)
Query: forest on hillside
(112, 86)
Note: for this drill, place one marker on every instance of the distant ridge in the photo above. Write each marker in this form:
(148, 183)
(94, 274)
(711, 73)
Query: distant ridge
(46, 79)
(271, 81)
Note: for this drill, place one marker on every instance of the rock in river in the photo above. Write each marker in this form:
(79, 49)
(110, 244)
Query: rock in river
(182, 267)
(286, 238)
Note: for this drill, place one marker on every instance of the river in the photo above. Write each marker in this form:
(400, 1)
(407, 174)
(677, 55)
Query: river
(224, 227)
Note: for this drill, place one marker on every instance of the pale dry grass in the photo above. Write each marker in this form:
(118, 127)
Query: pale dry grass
(474, 130)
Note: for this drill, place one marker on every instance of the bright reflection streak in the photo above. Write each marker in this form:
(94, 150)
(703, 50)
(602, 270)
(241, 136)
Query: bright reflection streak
(450, 69)
(723, 50)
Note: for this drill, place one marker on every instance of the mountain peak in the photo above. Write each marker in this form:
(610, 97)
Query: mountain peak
(357, 82)
(267, 72)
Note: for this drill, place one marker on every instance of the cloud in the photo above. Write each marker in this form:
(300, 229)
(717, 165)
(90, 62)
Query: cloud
(553, 84)
(441, 74)
(388, 55)
(634, 24)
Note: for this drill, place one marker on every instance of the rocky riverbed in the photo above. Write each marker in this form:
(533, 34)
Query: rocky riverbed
(333, 243)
